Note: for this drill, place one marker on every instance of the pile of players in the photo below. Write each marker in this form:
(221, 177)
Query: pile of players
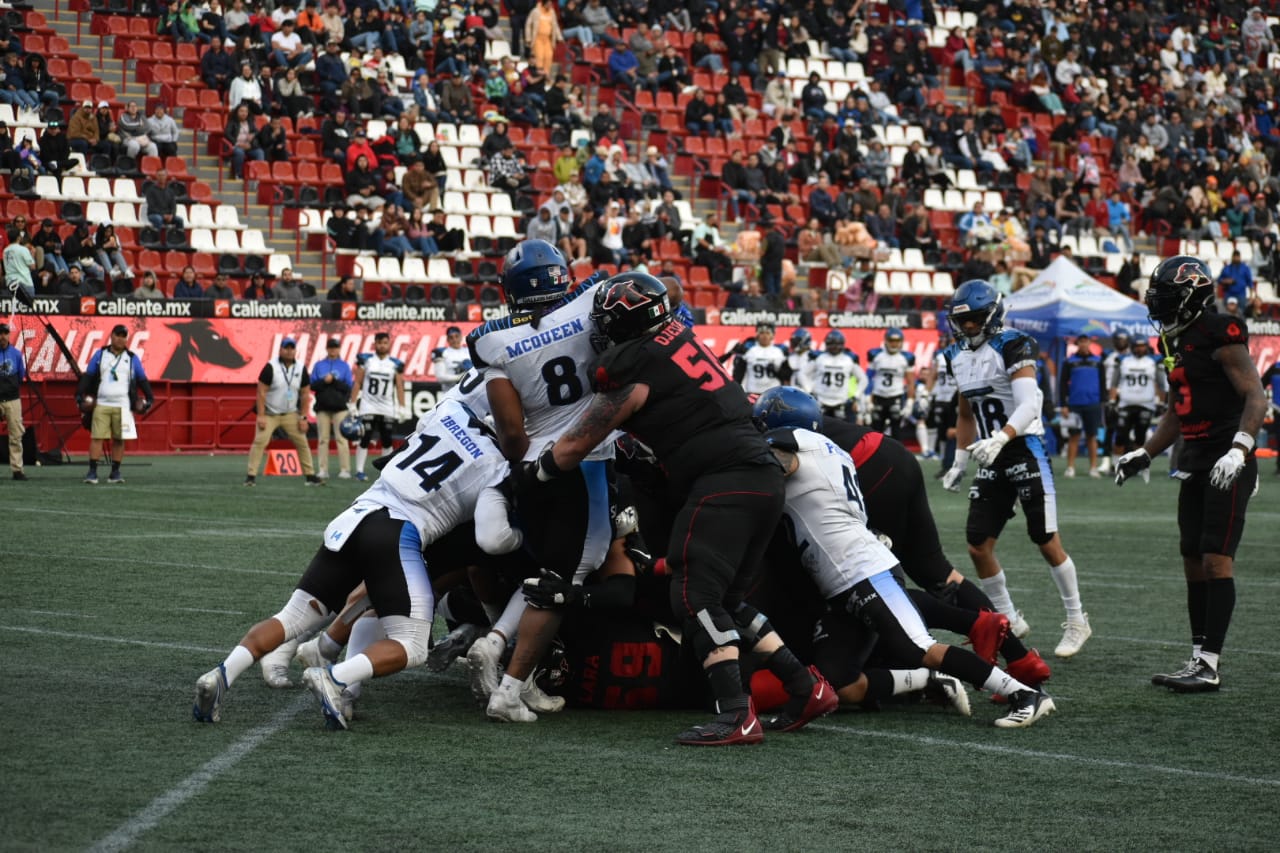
(774, 521)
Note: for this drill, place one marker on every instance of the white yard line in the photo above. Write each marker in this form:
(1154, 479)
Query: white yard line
(171, 800)
(123, 641)
(206, 610)
(139, 561)
(925, 740)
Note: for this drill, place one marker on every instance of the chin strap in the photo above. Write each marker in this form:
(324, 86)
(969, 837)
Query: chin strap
(1168, 359)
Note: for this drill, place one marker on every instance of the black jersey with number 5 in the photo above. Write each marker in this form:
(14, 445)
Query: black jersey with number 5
(696, 418)
(1200, 392)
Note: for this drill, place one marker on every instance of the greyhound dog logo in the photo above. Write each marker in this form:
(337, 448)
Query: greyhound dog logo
(200, 341)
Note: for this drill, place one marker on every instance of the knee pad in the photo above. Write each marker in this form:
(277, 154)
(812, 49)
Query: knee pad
(975, 537)
(413, 634)
(302, 613)
(752, 624)
(711, 629)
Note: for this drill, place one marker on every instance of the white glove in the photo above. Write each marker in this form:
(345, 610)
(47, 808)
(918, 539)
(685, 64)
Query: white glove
(1131, 464)
(952, 479)
(403, 413)
(1226, 469)
(353, 410)
(985, 451)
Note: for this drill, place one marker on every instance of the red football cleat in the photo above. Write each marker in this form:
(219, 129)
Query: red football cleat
(822, 700)
(1030, 669)
(742, 727)
(988, 634)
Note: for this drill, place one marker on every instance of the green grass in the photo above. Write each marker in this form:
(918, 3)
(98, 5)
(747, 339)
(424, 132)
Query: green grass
(116, 599)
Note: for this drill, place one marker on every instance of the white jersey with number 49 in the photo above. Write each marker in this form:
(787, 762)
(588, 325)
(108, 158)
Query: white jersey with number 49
(1136, 380)
(435, 481)
(826, 508)
(548, 363)
(829, 376)
(378, 392)
(985, 378)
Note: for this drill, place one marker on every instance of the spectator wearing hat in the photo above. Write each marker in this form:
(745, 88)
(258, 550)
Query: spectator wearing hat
(331, 382)
(258, 289)
(456, 104)
(163, 131)
(83, 132)
(161, 197)
(240, 135)
(284, 389)
(331, 74)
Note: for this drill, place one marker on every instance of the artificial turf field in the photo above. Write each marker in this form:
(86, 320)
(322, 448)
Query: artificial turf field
(117, 598)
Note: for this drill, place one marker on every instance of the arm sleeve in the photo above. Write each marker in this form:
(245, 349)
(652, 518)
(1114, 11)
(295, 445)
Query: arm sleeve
(1026, 406)
(494, 533)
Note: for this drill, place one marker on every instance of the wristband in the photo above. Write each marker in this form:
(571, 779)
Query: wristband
(547, 468)
(962, 459)
(1244, 440)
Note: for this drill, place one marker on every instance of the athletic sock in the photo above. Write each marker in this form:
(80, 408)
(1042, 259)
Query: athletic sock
(362, 454)
(353, 670)
(329, 647)
(511, 684)
(1197, 612)
(966, 666)
(922, 437)
(1002, 683)
(908, 680)
(1221, 603)
(726, 687)
(1210, 658)
(237, 662)
(1064, 576)
(794, 675)
(364, 634)
(509, 621)
(999, 594)
(115, 467)
(93, 466)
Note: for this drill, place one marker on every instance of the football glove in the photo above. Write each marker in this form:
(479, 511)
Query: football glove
(549, 590)
(403, 413)
(353, 410)
(1132, 464)
(955, 475)
(985, 451)
(1227, 468)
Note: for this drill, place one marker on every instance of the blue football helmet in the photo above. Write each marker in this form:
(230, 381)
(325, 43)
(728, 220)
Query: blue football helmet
(535, 274)
(894, 340)
(834, 343)
(801, 341)
(352, 428)
(786, 406)
(976, 300)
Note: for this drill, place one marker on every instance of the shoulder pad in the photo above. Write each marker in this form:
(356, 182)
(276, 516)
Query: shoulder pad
(872, 353)
(813, 354)
(783, 439)
(1224, 329)
(853, 355)
(363, 357)
(1017, 348)
(747, 346)
(911, 358)
(786, 350)
(399, 365)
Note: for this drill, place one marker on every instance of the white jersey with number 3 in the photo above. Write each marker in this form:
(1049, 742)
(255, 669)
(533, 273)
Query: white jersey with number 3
(888, 372)
(378, 391)
(435, 481)
(825, 507)
(548, 363)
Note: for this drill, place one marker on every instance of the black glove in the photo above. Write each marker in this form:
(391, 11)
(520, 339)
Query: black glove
(437, 353)
(549, 590)
(1131, 464)
(524, 476)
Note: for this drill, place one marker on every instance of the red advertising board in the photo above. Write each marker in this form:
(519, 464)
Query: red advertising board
(233, 351)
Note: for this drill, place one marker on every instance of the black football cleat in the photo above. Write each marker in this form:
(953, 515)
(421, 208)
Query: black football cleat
(731, 729)
(1161, 679)
(1202, 678)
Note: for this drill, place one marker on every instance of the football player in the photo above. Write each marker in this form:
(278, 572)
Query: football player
(1137, 391)
(450, 471)
(940, 389)
(1217, 405)
(536, 362)
(800, 359)
(1121, 346)
(379, 400)
(854, 573)
(890, 379)
(897, 506)
(836, 377)
(761, 364)
(452, 360)
(999, 425)
(656, 380)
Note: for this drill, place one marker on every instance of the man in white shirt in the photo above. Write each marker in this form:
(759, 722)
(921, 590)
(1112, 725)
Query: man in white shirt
(286, 47)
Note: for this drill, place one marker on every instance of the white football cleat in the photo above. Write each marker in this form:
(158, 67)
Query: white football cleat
(1018, 626)
(275, 664)
(452, 646)
(954, 691)
(1027, 707)
(506, 706)
(308, 654)
(210, 688)
(328, 693)
(1073, 637)
(536, 700)
(485, 659)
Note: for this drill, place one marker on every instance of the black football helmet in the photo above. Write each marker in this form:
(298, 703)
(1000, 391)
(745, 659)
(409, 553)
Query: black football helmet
(1181, 289)
(627, 306)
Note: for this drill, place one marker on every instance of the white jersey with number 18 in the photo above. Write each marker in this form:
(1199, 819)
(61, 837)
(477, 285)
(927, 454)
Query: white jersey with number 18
(984, 377)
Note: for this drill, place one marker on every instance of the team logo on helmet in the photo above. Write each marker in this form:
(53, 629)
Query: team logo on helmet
(626, 295)
(1191, 273)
